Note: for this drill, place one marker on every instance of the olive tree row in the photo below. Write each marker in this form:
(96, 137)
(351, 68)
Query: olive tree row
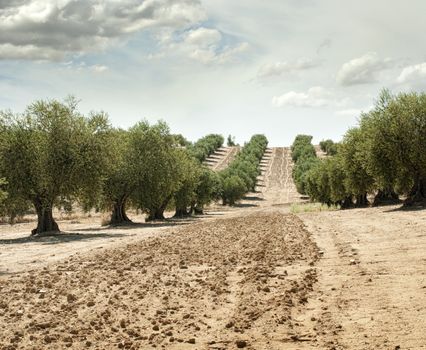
(385, 156)
(51, 154)
(206, 146)
(240, 176)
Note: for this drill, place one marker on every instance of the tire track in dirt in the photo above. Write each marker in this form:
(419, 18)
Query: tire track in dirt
(211, 285)
(371, 292)
(278, 185)
(220, 159)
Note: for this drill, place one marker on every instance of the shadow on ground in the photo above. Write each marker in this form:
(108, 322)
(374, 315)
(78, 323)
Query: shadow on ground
(62, 237)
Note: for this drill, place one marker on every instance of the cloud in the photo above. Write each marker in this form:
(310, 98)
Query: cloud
(412, 73)
(205, 45)
(203, 37)
(362, 70)
(279, 69)
(24, 52)
(315, 97)
(97, 68)
(53, 29)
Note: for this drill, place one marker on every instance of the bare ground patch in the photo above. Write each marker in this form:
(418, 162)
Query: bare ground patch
(222, 284)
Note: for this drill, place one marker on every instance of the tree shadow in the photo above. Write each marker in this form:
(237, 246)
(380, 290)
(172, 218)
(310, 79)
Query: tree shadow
(403, 208)
(253, 198)
(62, 237)
(151, 224)
(244, 205)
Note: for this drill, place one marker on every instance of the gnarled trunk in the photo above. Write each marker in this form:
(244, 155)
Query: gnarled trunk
(181, 213)
(45, 220)
(158, 213)
(417, 195)
(361, 200)
(385, 196)
(118, 215)
(198, 210)
(346, 203)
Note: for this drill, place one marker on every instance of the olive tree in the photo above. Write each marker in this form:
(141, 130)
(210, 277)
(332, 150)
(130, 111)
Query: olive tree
(189, 173)
(397, 136)
(50, 152)
(354, 153)
(119, 181)
(154, 163)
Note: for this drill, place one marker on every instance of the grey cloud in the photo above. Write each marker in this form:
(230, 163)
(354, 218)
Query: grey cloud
(279, 69)
(79, 26)
(362, 70)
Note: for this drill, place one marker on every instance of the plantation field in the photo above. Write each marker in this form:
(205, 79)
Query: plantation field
(251, 276)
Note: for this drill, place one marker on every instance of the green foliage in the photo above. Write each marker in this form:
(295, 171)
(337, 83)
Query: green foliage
(386, 153)
(233, 189)
(49, 152)
(245, 167)
(206, 146)
(304, 157)
(191, 171)
(230, 142)
(329, 147)
(208, 189)
(353, 152)
(3, 194)
(154, 163)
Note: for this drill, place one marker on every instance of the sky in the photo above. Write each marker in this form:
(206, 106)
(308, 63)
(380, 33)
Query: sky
(239, 67)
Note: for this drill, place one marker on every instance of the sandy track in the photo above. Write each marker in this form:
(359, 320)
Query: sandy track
(277, 186)
(372, 279)
(210, 285)
(222, 157)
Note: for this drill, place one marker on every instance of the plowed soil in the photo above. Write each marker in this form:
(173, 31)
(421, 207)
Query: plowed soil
(214, 285)
(253, 276)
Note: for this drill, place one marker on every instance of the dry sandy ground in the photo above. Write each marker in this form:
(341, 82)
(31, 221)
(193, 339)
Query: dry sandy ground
(372, 278)
(220, 159)
(215, 285)
(254, 276)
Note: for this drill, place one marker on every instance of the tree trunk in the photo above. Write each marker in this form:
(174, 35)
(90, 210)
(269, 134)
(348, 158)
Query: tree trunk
(346, 203)
(417, 195)
(158, 213)
(385, 196)
(361, 200)
(119, 215)
(45, 220)
(198, 210)
(181, 213)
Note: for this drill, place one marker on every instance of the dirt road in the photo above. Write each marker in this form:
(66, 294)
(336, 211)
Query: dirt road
(276, 183)
(252, 276)
(220, 159)
(372, 278)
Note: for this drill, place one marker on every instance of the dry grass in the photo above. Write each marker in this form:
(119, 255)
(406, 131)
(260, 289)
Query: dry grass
(312, 207)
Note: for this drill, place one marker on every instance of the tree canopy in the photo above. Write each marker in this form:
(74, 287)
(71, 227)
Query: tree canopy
(50, 152)
(383, 156)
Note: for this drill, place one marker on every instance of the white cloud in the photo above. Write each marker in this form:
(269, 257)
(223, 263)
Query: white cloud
(61, 27)
(203, 37)
(362, 70)
(99, 68)
(29, 52)
(279, 69)
(413, 73)
(315, 97)
(353, 112)
(205, 45)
